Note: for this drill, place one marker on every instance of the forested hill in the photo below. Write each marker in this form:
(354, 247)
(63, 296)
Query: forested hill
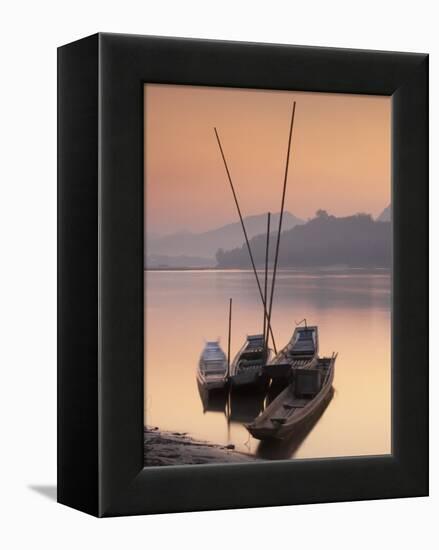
(355, 241)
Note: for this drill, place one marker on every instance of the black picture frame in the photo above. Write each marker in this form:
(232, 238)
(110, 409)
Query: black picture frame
(100, 281)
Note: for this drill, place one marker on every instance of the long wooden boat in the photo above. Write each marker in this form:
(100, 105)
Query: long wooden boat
(212, 368)
(246, 369)
(300, 352)
(308, 392)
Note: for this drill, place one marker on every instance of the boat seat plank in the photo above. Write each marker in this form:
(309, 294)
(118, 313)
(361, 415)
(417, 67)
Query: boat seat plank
(298, 404)
(279, 420)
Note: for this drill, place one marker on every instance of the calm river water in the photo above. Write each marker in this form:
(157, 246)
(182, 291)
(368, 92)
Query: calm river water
(183, 309)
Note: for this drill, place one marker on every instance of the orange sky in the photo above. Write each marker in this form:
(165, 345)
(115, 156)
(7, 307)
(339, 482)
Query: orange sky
(341, 154)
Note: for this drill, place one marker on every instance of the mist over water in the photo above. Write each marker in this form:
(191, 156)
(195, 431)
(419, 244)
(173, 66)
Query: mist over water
(183, 309)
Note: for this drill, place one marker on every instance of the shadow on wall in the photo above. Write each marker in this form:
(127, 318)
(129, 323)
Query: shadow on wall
(48, 491)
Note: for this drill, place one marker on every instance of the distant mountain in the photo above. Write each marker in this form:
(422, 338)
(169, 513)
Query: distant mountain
(206, 244)
(355, 241)
(386, 215)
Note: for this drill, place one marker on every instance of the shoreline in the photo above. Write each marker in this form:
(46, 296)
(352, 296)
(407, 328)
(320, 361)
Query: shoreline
(316, 269)
(162, 448)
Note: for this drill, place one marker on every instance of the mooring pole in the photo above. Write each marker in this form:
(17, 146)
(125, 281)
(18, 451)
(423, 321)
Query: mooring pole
(229, 385)
(267, 247)
(276, 256)
(230, 338)
(229, 177)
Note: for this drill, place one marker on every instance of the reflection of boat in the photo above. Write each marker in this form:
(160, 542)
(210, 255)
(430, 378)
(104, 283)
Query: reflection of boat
(245, 405)
(300, 352)
(246, 369)
(212, 368)
(213, 400)
(308, 392)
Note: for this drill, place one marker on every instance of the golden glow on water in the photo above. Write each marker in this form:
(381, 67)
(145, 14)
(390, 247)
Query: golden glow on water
(352, 311)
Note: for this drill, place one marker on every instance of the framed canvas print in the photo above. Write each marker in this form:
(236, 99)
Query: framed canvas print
(243, 263)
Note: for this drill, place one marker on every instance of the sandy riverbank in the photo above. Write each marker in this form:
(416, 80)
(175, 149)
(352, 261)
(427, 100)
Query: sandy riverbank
(176, 448)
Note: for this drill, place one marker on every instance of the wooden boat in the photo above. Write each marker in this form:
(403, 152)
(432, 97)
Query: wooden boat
(212, 368)
(309, 391)
(300, 352)
(246, 369)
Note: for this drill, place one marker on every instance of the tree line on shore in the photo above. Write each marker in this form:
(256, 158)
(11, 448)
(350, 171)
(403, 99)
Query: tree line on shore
(325, 240)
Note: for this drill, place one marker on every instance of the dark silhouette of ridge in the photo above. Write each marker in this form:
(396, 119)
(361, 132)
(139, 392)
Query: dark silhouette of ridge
(354, 241)
(386, 215)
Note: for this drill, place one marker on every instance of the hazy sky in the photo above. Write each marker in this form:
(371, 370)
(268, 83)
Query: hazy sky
(340, 161)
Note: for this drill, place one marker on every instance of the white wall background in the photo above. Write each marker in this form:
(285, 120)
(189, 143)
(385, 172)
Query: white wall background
(30, 33)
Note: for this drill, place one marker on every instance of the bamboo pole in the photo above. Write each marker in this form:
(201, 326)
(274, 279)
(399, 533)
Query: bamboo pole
(229, 385)
(267, 248)
(246, 240)
(276, 256)
(230, 338)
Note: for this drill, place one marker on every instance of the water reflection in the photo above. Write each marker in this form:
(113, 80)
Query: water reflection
(245, 405)
(213, 401)
(352, 310)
